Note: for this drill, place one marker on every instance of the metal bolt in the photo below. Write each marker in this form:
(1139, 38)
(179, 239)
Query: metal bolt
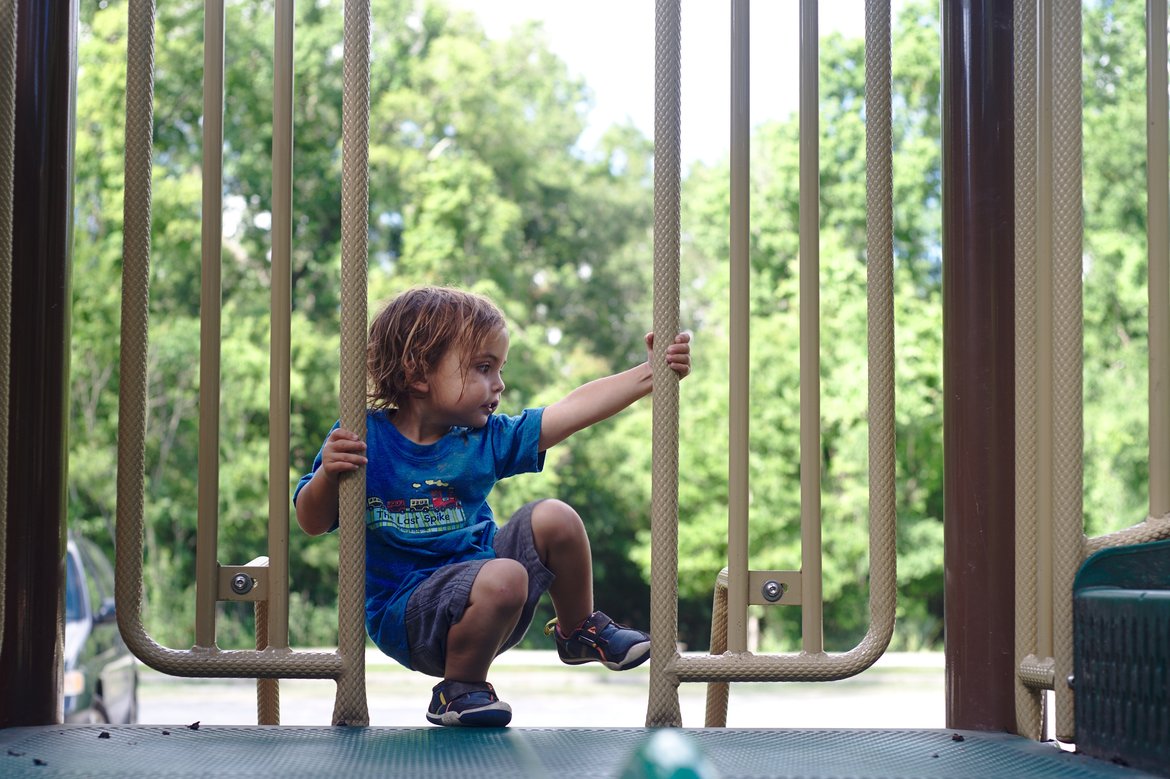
(772, 590)
(1071, 681)
(242, 584)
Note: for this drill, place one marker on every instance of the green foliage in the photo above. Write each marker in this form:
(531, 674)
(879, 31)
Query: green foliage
(475, 180)
(1116, 301)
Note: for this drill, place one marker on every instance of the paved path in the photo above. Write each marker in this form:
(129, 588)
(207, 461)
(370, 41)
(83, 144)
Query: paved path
(901, 691)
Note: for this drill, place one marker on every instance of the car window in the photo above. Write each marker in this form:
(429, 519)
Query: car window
(100, 576)
(74, 603)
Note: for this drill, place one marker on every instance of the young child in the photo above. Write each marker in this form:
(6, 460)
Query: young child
(445, 592)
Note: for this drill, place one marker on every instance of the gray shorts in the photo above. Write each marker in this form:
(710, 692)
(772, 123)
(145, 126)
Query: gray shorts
(438, 602)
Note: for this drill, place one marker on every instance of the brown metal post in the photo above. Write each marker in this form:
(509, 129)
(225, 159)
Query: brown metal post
(31, 657)
(978, 363)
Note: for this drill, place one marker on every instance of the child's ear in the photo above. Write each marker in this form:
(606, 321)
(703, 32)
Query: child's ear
(419, 388)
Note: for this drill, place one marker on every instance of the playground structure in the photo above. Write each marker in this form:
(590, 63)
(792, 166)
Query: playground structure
(1030, 492)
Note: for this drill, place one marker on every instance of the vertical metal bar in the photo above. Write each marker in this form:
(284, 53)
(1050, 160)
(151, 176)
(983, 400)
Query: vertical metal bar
(350, 706)
(267, 690)
(272, 615)
(1029, 711)
(978, 364)
(1068, 345)
(206, 564)
(662, 708)
(278, 415)
(1044, 327)
(718, 692)
(811, 611)
(737, 501)
(7, 159)
(46, 77)
(879, 272)
(1158, 214)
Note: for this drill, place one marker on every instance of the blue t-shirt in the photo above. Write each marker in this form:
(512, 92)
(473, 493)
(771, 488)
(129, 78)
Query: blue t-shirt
(426, 507)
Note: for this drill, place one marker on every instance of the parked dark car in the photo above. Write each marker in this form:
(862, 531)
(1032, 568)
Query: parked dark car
(101, 675)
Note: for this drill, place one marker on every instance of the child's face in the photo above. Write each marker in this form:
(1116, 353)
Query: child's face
(466, 387)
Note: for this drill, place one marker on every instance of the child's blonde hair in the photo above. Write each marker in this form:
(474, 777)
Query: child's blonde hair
(411, 334)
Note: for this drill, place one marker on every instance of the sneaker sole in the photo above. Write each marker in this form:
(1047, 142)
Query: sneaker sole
(635, 656)
(496, 715)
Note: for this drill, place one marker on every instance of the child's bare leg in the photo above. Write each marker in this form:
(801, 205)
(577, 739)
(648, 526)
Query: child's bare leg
(493, 608)
(563, 546)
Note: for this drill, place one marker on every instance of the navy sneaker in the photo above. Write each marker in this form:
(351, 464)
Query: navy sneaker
(600, 639)
(468, 704)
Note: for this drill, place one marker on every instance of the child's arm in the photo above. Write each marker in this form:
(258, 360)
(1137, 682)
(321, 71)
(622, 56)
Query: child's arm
(602, 398)
(317, 500)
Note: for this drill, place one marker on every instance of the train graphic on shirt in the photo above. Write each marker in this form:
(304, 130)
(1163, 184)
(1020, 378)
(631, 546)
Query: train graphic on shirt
(435, 509)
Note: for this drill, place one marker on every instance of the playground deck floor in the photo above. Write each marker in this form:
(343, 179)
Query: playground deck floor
(294, 751)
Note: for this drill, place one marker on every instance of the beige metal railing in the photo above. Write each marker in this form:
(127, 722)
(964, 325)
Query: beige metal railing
(739, 586)
(264, 580)
(1050, 538)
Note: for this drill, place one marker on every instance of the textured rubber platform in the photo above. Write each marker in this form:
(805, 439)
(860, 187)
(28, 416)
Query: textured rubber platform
(286, 752)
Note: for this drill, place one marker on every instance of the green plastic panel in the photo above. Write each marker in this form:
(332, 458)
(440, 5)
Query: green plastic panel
(288, 752)
(1121, 655)
(1137, 567)
(1121, 652)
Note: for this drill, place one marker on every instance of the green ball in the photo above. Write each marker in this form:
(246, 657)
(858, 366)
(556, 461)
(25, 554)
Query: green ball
(668, 754)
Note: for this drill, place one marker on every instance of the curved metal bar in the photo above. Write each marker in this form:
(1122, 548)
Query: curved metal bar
(802, 667)
(211, 662)
(734, 666)
(1156, 526)
(1152, 529)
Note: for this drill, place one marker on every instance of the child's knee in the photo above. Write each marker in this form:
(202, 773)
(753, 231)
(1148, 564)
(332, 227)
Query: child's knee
(554, 521)
(501, 584)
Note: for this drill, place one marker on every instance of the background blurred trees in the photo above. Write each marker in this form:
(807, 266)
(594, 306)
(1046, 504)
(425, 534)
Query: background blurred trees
(476, 180)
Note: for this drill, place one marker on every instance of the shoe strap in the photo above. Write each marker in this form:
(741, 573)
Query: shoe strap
(453, 690)
(589, 632)
(598, 620)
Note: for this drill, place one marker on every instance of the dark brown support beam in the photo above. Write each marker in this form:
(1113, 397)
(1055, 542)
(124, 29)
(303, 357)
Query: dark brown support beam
(31, 657)
(978, 363)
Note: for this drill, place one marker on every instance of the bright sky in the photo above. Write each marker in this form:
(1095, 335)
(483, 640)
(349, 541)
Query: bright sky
(611, 44)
